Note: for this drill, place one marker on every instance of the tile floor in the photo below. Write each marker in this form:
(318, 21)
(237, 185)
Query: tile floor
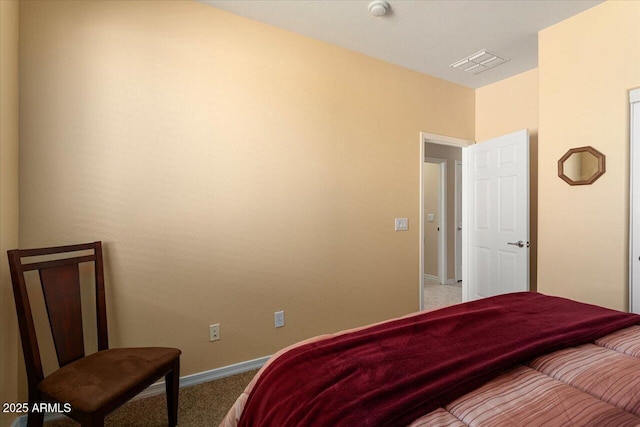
(438, 296)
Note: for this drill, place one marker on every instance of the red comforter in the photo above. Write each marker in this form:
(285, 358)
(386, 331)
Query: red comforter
(392, 373)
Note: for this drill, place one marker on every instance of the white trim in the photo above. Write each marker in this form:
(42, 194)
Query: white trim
(465, 226)
(189, 380)
(431, 277)
(445, 140)
(21, 421)
(634, 200)
(206, 376)
(421, 225)
(442, 140)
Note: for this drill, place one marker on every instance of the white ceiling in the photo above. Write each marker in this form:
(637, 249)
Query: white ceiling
(425, 36)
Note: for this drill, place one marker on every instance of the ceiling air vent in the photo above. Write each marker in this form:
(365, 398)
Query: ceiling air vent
(479, 62)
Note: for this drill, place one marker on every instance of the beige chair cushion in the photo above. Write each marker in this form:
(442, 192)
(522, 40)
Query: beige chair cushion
(88, 383)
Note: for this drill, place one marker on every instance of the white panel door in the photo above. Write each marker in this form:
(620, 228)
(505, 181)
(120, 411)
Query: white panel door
(496, 216)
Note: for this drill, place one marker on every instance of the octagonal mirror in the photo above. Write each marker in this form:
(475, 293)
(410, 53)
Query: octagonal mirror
(581, 166)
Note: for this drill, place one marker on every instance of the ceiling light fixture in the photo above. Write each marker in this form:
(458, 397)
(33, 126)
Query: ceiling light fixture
(378, 8)
(479, 62)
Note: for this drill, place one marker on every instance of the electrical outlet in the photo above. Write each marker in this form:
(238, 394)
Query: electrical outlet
(214, 332)
(278, 318)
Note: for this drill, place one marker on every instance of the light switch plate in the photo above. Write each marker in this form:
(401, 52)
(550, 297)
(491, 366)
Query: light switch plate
(402, 224)
(278, 318)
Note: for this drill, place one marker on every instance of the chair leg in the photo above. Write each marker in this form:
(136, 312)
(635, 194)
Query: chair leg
(172, 382)
(93, 421)
(35, 419)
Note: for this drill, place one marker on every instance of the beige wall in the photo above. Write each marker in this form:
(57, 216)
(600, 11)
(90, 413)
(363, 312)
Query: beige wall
(507, 106)
(233, 169)
(587, 64)
(504, 107)
(8, 200)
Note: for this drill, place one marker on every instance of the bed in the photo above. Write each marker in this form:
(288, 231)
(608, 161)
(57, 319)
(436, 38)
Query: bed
(512, 360)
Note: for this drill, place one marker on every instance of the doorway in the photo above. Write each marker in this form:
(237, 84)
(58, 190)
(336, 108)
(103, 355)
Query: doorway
(495, 200)
(435, 225)
(440, 220)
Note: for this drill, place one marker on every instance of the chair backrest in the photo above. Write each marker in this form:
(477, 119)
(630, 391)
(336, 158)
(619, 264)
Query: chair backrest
(60, 281)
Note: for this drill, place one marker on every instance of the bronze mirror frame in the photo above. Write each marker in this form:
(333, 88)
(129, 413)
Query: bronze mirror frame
(587, 149)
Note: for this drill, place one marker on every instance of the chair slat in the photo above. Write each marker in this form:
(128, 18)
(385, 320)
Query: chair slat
(61, 289)
(56, 250)
(57, 262)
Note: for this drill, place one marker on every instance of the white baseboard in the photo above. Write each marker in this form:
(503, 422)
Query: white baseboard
(21, 421)
(189, 380)
(206, 376)
(431, 277)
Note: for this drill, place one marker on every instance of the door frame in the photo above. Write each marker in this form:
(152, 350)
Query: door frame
(442, 216)
(458, 210)
(634, 201)
(432, 138)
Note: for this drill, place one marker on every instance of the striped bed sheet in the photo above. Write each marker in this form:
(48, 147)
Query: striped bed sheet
(596, 384)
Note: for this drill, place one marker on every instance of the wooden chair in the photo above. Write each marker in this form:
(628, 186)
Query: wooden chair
(96, 384)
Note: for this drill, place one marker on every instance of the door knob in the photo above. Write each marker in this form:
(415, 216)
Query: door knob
(519, 243)
(460, 228)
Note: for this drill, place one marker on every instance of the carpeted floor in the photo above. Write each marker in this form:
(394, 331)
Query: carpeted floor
(200, 405)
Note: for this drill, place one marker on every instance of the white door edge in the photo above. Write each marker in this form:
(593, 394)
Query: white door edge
(458, 210)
